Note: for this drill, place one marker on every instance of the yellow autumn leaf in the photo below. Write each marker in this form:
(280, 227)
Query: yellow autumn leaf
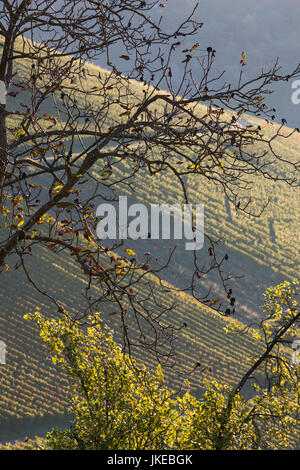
(58, 187)
(130, 252)
(120, 272)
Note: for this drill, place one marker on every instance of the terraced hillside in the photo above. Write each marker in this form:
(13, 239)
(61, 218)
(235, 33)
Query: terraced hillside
(262, 251)
(265, 250)
(30, 385)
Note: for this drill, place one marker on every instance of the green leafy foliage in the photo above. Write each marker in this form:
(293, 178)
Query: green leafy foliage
(118, 404)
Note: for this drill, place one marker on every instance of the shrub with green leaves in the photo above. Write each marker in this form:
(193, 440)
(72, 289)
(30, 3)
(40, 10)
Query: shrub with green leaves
(119, 404)
(116, 404)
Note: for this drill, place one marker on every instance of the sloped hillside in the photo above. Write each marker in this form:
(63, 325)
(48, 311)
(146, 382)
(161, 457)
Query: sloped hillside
(31, 387)
(264, 250)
